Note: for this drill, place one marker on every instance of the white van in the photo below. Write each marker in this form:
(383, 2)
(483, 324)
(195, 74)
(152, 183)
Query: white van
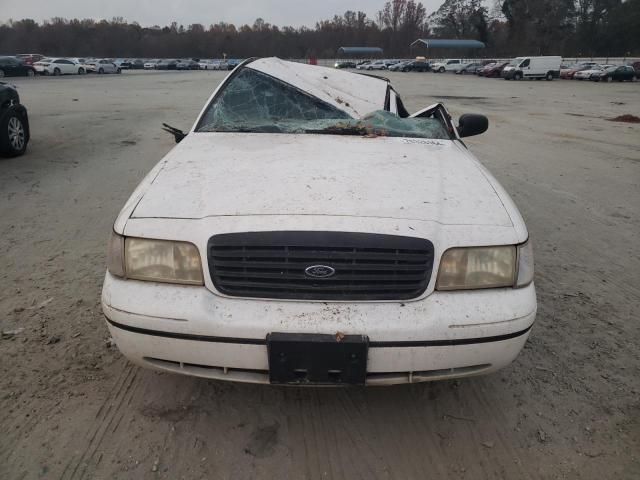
(533, 67)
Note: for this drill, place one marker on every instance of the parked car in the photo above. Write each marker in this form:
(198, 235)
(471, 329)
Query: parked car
(29, 58)
(448, 65)
(187, 65)
(58, 66)
(362, 65)
(346, 64)
(102, 66)
(469, 68)
(408, 263)
(137, 64)
(416, 66)
(397, 67)
(377, 65)
(587, 73)
(206, 65)
(570, 72)
(482, 70)
(122, 63)
(621, 73)
(151, 64)
(495, 70)
(14, 67)
(14, 122)
(532, 67)
(167, 65)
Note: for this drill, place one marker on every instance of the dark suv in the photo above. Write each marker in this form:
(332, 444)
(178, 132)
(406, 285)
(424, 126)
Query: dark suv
(14, 67)
(14, 123)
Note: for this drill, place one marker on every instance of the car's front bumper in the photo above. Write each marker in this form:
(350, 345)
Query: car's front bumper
(190, 330)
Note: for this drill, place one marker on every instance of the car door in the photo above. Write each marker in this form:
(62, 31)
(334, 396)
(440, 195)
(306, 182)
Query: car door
(66, 66)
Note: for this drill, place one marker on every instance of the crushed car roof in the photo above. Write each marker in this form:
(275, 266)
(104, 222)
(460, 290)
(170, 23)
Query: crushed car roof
(355, 94)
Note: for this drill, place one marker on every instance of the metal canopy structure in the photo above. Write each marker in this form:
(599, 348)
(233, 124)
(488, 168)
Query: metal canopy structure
(360, 51)
(446, 43)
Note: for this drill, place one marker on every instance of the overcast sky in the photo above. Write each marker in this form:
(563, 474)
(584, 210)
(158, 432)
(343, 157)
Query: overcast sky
(163, 12)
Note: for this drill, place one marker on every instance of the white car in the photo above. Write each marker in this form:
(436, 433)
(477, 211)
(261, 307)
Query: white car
(150, 64)
(377, 65)
(315, 234)
(448, 65)
(586, 74)
(58, 66)
(102, 66)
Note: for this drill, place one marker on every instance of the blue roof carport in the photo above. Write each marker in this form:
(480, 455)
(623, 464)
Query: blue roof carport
(360, 51)
(444, 43)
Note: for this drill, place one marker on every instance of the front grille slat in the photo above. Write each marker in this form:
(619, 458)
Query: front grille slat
(367, 266)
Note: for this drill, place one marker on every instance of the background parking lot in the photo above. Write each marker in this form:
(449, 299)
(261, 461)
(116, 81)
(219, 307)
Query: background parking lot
(71, 407)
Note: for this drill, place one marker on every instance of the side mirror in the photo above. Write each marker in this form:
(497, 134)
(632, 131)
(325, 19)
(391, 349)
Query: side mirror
(471, 124)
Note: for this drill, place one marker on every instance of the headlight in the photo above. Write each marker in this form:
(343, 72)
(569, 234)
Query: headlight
(154, 260)
(477, 267)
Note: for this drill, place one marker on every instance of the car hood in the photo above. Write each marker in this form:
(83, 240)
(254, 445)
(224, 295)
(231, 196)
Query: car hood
(239, 174)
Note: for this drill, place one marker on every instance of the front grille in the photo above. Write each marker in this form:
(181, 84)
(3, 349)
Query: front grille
(273, 264)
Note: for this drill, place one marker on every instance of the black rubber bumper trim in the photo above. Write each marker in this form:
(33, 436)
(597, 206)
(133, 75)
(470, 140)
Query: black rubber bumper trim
(263, 341)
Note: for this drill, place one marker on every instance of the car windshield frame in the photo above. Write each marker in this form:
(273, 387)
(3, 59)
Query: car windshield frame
(287, 109)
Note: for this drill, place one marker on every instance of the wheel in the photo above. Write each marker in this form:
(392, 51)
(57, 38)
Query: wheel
(13, 135)
(101, 71)
(119, 70)
(81, 71)
(1, 73)
(549, 76)
(56, 71)
(441, 70)
(31, 73)
(517, 76)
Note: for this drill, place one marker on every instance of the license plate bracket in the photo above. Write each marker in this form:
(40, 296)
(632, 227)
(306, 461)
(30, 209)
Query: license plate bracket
(317, 359)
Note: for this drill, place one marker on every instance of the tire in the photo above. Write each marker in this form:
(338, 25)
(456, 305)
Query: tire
(441, 70)
(119, 70)
(517, 76)
(81, 71)
(14, 134)
(549, 76)
(1, 73)
(101, 71)
(56, 71)
(31, 73)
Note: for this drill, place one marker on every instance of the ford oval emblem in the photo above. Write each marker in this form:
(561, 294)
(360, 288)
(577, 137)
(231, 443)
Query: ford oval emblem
(320, 271)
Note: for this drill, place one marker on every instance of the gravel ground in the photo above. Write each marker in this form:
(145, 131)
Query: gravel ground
(71, 407)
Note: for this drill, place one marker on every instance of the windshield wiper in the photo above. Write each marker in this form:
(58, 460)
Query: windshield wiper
(340, 130)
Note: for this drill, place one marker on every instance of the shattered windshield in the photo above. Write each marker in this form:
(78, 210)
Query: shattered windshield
(255, 102)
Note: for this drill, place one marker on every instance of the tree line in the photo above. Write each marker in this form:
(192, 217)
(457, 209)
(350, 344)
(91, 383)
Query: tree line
(508, 28)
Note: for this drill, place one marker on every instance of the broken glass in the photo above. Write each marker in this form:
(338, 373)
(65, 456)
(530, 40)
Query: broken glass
(255, 102)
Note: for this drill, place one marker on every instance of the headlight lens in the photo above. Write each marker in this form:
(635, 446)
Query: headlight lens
(525, 265)
(162, 261)
(477, 267)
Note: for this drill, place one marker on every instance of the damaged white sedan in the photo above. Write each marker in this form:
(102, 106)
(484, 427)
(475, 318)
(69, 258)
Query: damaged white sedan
(309, 231)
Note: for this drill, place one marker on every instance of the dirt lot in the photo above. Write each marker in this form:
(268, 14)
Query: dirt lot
(71, 407)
